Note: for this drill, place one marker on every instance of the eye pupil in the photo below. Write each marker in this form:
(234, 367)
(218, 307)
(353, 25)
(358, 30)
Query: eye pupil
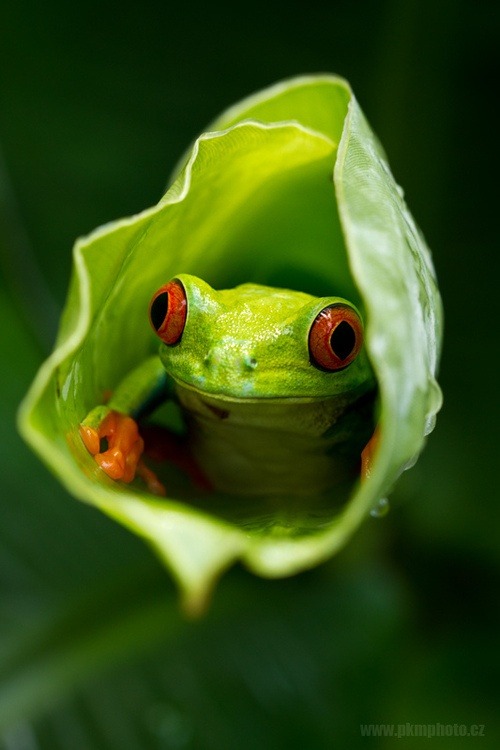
(159, 309)
(343, 340)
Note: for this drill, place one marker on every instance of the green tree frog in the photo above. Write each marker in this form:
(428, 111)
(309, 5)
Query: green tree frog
(274, 385)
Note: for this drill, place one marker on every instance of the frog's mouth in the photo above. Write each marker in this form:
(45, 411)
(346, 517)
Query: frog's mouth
(223, 400)
(221, 406)
(307, 415)
(217, 411)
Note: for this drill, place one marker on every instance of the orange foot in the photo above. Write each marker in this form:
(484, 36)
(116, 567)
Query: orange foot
(368, 453)
(122, 457)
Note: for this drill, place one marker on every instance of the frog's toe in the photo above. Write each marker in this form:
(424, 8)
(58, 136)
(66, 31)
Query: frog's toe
(368, 454)
(151, 480)
(90, 438)
(112, 462)
(132, 454)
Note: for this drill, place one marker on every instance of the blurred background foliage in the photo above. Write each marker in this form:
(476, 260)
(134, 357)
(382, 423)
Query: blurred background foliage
(97, 102)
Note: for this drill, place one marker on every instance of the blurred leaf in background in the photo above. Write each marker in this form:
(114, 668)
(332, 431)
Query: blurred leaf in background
(96, 103)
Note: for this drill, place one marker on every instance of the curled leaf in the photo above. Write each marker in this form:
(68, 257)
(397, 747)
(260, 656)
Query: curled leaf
(288, 188)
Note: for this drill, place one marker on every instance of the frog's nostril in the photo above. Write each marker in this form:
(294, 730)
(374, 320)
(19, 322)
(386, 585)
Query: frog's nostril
(214, 358)
(249, 363)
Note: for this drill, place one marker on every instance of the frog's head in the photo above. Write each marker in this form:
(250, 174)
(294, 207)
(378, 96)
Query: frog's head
(255, 342)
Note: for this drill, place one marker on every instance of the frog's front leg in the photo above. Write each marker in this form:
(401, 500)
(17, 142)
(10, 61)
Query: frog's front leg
(114, 425)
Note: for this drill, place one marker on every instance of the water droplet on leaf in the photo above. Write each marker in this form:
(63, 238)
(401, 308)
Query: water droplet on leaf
(381, 509)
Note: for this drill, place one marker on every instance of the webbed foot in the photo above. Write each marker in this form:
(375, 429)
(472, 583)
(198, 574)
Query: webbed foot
(120, 457)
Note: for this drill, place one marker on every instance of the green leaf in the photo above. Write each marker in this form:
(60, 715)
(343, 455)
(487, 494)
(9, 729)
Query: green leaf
(288, 188)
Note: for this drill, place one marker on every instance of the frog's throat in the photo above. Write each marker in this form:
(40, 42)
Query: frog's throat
(271, 446)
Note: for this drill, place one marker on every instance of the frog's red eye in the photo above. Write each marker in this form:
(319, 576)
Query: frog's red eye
(335, 337)
(168, 310)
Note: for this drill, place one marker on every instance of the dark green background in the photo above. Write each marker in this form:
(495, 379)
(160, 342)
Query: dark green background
(97, 102)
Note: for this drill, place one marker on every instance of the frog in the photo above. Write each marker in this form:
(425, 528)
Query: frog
(274, 385)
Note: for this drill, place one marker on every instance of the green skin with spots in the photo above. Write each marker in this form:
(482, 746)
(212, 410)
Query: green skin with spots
(261, 418)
